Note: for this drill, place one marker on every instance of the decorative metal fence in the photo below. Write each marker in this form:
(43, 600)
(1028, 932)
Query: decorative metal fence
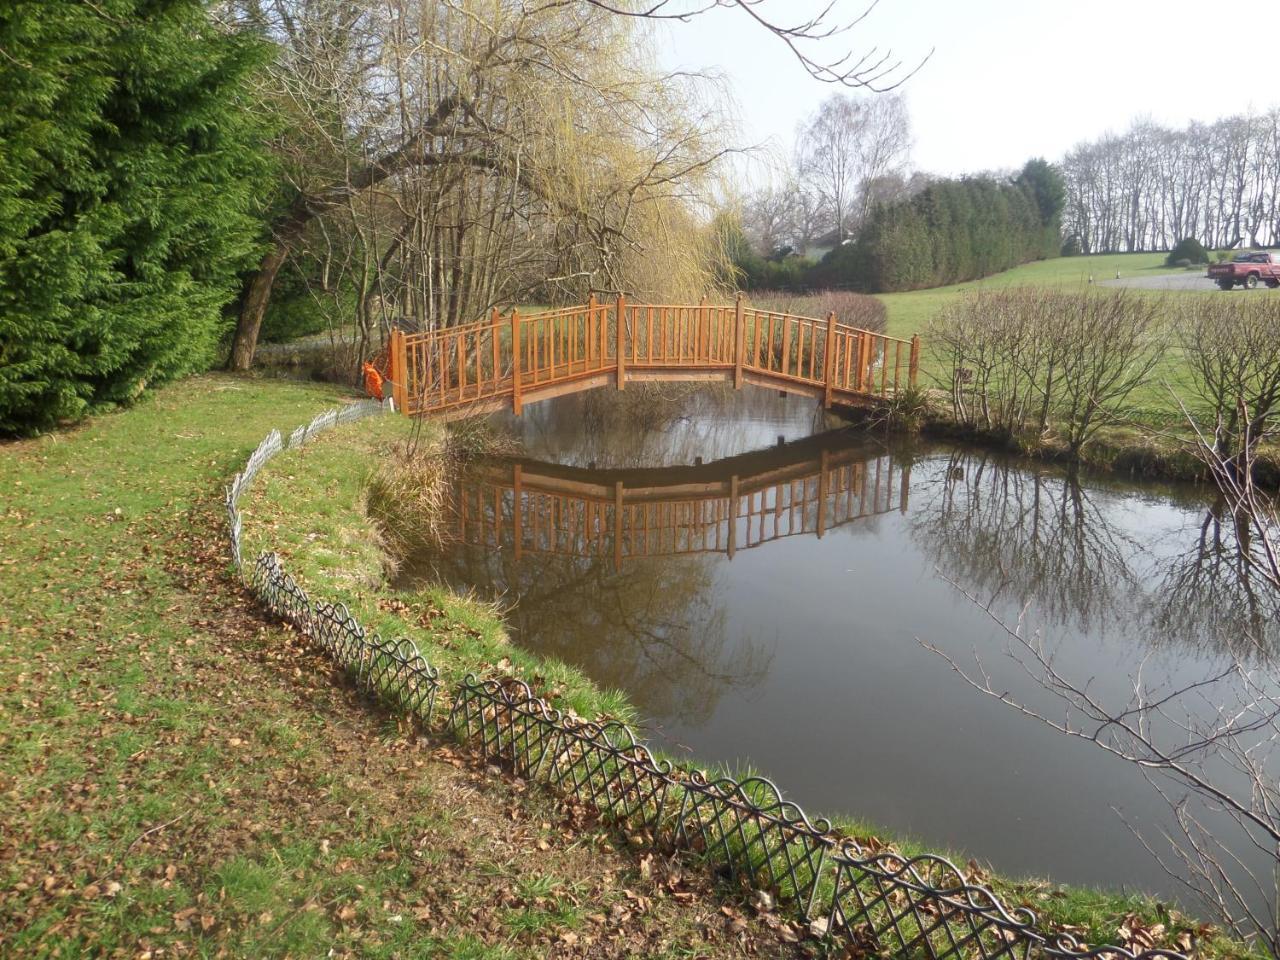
(876, 903)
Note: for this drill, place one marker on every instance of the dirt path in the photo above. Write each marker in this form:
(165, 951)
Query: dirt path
(180, 778)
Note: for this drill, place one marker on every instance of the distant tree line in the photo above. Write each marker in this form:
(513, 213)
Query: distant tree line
(1153, 186)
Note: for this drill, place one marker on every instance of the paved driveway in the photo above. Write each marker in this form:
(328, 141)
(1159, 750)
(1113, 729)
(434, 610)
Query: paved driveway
(1185, 280)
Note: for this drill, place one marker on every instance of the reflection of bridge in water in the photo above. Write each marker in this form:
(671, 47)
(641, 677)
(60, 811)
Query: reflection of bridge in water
(803, 488)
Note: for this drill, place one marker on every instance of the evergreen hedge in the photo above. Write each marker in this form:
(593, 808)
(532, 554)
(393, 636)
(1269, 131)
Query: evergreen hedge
(130, 171)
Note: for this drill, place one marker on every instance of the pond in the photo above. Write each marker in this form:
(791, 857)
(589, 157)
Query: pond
(766, 587)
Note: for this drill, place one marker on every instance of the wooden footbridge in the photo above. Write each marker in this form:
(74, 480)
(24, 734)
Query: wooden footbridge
(802, 488)
(481, 367)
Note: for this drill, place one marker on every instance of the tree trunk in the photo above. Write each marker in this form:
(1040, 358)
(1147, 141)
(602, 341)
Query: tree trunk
(254, 305)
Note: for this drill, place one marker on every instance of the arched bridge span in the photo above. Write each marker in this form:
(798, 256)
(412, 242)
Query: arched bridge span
(481, 367)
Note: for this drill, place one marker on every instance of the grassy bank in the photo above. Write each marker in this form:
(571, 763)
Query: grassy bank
(308, 507)
(180, 778)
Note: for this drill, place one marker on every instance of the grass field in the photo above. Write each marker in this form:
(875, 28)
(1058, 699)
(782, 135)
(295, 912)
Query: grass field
(911, 312)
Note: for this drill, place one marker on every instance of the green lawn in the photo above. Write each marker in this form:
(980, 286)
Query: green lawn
(180, 778)
(911, 312)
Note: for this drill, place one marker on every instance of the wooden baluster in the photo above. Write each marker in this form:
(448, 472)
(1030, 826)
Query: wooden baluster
(517, 405)
(461, 341)
(622, 337)
(769, 347)
(829, 361)
(884, 369)
(914, 363)
(549, 334)
(846, 347)
(800, 331)
(590, 331)
(704, 340)
(495, 319)
(648, 320)
(739, 341)
(786, 345)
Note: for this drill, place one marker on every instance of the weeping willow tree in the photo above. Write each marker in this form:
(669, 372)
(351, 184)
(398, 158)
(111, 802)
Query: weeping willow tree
(446, 156)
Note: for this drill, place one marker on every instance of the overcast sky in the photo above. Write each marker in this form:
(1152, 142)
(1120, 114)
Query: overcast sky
(1008, 79)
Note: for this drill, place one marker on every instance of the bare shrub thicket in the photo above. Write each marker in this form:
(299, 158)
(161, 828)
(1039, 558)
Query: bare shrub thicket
(855, 309)
(1231, 352)
(1032, 360)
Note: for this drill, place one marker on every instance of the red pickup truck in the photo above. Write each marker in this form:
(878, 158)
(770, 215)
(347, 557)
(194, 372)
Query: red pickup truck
(1246, 270)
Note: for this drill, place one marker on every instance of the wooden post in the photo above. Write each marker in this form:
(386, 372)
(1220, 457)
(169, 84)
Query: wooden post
(914, 366)
(622, 345)
(829, 360)
(399, 388)
(740, 341)
(589, 333)
(517, 405)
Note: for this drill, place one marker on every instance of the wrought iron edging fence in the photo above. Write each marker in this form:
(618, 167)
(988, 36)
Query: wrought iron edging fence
(877, 903)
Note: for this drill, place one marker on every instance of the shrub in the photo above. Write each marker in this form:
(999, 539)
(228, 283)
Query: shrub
(1232, 350)
(1071, 247)
(1189, 249)
(855, 309)
(1031, 359)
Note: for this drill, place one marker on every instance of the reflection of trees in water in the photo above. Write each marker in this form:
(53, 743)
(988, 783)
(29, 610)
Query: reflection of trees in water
(1023, 535)
(653, 628)
(1019, 534)
(1211, 597)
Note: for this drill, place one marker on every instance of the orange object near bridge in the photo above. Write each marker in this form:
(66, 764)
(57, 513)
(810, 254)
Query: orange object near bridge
(373, 380)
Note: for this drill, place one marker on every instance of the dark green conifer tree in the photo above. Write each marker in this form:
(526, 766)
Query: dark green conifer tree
(131, 168)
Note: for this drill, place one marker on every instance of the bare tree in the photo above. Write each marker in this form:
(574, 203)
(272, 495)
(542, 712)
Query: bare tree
(1151, 186)
(1231, 347)
(875, 70)
(848, 144)
(475, 158)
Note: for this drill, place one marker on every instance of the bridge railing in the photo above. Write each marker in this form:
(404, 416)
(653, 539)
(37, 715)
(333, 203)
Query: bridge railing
(557, 351)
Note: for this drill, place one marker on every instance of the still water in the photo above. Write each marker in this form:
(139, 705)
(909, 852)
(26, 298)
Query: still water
(766, 586)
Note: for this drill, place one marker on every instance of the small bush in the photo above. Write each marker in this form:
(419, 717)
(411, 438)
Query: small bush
(1071, 247)
(855, 309)
(1188, 249)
